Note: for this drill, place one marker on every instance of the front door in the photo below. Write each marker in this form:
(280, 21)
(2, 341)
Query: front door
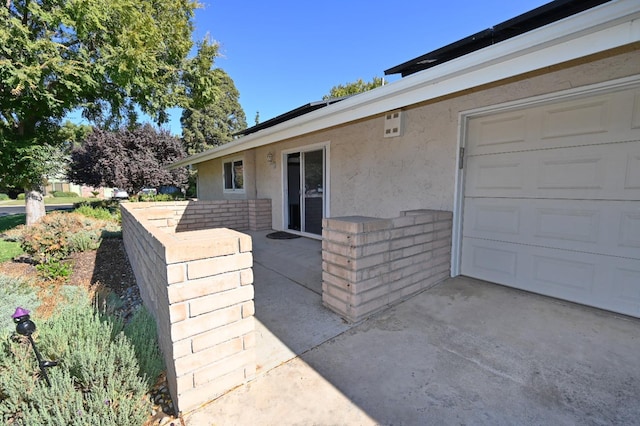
(305, 180)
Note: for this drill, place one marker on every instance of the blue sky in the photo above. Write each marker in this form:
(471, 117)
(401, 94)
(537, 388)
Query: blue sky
(282, 54)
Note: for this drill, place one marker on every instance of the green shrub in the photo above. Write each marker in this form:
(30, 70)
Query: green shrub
(112, 206)
(165, 197)
(14, 292)
(94, 212)
(85, 241)
(63, 194)
(54, 269)
(142, 332)
(96, 382)
(3, 197)
(21, 196)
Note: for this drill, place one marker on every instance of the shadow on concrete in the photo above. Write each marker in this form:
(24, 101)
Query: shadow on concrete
(290, 318)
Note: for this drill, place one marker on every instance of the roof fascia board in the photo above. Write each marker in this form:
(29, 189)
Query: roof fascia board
(617, 24)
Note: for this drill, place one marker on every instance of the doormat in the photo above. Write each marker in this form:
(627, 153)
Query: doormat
(282, 235)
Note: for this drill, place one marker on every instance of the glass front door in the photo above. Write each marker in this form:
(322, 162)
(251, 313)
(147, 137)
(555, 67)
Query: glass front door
(306, 190)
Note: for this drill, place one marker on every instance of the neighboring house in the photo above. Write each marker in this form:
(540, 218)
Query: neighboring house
(528, 132)
(61, 185)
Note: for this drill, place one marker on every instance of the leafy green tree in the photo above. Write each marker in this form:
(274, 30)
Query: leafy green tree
(358, 86)
(130, 159)
(109, 58)
(214, 123)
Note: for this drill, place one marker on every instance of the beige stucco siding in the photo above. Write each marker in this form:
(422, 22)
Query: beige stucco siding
(376, 176)
(210, 178)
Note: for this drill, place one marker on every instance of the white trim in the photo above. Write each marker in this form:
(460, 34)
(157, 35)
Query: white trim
(458, 196)
(464, 117)
(326, 147)
(595, 30)
(233, 160)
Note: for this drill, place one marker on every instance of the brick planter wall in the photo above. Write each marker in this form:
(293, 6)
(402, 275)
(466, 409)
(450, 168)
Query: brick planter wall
(370, 263)
(198, 286)
(181, 216)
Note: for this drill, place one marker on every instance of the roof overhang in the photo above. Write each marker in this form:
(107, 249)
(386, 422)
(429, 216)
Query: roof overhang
(602, 28)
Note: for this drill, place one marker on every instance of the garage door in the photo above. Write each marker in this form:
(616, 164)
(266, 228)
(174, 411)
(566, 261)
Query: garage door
(552, 200)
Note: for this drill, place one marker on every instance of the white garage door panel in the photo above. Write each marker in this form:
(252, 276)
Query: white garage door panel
(608, 118)
(604, 172)
(601, 281)
(608, 228)
(552, 199)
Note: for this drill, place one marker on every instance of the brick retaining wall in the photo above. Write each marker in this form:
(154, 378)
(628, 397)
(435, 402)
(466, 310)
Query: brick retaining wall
(199, 287)
(370, 263)
(181, 216)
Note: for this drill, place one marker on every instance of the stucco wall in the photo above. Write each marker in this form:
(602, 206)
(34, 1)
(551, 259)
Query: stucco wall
(210, 178)
(374, 176)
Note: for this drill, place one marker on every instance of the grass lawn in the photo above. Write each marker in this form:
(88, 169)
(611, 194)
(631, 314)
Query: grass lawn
(11, 221)
(10, 249)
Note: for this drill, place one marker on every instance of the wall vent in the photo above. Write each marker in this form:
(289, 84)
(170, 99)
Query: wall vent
(393, 124)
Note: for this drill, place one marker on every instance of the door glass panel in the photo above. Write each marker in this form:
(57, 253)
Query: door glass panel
(313, 197)
(293, 191)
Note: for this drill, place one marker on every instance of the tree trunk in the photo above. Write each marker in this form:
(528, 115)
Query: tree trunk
(34, 205)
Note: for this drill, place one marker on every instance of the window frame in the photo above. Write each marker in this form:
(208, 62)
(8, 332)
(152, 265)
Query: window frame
(232, 162)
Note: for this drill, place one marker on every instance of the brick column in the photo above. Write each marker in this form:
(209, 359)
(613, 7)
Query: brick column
(370, 263)
(259, 214)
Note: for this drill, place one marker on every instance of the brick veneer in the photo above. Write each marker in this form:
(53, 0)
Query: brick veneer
(370, 263)
(181, 216)
(199, 287)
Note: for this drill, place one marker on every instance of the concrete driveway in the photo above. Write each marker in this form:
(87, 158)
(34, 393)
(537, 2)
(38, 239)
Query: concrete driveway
(462, 352)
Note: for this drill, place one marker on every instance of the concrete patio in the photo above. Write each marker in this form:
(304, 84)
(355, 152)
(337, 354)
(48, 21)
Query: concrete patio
(462, 352)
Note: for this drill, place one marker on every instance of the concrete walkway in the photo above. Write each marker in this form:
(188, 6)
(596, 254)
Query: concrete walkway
(463, 352)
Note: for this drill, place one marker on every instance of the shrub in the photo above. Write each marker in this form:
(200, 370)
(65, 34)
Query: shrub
(3, 197)
(14, 292)
(63, 194)
(54, 270)
(142, 332)
(84, 241)
(94, 212)
(47, 240)
(112, 206)
(21, 196)
(52, 238)
(95, 383)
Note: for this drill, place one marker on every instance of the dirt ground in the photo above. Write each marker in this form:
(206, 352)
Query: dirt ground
(110, 270)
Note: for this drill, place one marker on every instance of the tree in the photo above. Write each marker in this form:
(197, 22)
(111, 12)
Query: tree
(111, 59)
(129, 159)
(358, 86)
(214, 123)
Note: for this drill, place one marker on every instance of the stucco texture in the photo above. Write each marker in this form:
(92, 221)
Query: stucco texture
(375, 176)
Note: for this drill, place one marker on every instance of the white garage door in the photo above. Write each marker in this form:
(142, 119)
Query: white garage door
(552, 200)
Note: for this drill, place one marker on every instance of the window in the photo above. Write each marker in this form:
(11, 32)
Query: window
(233, 176)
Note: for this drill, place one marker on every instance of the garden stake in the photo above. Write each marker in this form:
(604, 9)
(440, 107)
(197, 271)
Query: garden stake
(26, 327)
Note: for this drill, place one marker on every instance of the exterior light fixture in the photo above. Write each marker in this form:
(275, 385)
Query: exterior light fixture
(270, 159)
(26, 327)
